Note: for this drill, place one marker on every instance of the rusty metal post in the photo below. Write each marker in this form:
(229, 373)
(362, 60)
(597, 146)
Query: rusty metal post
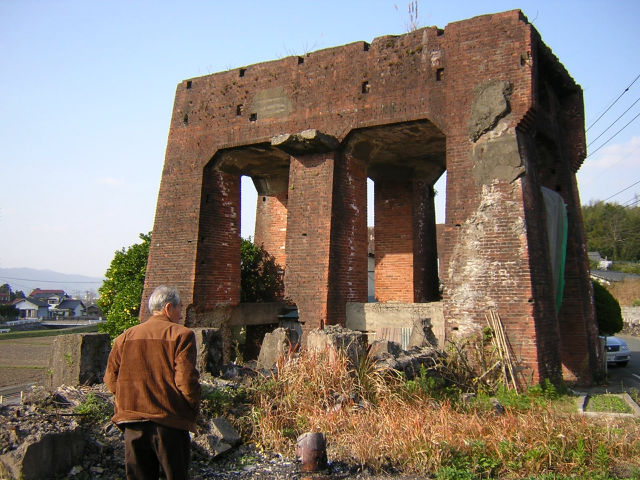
(311, 450)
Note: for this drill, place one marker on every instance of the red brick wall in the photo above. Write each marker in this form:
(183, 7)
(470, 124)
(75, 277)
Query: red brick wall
(218, 260)
(491, 258)
(394, 238)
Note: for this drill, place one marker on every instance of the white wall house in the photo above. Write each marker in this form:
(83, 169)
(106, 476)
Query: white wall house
(30, 308)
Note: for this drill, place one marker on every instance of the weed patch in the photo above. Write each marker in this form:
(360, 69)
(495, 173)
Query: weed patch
(386, 423)
(95, 409)
(607, 403)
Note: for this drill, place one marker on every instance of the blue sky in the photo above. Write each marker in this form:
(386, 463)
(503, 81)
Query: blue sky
(87, 88)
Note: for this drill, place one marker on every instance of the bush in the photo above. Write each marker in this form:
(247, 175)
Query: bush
(608, 313)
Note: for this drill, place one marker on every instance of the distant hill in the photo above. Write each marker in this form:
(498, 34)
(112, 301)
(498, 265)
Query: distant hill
(27, 279)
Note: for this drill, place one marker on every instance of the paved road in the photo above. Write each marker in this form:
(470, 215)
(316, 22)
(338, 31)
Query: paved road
(626, 378)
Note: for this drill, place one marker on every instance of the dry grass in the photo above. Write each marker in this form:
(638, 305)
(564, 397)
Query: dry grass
(387, 424)
(627, 292)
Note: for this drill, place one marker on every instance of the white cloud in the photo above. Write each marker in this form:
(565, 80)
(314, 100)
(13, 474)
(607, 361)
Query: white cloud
(619, 154)
(111, 181)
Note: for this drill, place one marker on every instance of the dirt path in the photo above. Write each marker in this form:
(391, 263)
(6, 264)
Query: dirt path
(24, 360)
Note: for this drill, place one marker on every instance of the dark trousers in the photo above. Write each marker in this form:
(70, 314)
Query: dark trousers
(147, 446)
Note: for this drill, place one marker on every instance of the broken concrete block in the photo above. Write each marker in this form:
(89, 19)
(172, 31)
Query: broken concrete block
(382, 348)
(44, 455)
(275, 345)
(222, 428)
(79, 359)
(422, 334)
(219, 439)
(335, 338)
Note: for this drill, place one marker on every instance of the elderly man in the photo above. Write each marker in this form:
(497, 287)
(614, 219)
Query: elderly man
(152, 373)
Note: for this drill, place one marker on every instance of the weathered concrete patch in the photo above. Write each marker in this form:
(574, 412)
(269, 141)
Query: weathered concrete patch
(490, 104)
(271, 103)
(471, 263)
(381, 320)
(496, 158)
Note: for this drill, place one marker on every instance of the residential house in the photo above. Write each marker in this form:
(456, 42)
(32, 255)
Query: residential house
(52, 297)
(68, 308)
(608, 277)
(94, 311)
(32, 308)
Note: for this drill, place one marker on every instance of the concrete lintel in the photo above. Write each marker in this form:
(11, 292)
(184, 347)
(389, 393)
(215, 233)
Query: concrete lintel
(307, 141)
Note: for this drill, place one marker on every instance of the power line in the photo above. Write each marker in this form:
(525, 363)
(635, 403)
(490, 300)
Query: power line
(48, 281)
(614, 102)
(623, 190)
(613, 136)
(613, 123)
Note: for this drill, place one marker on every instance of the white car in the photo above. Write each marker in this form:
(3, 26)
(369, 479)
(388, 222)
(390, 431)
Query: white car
(617, 351)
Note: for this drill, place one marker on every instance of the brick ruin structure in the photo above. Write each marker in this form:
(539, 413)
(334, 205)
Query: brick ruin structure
(483, 99)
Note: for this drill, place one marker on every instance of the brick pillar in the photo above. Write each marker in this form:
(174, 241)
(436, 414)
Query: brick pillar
(217, 279)
(348, 255)
(394, 240)
(271, 224)
(425, 261)
(306, 276)
(326, 237)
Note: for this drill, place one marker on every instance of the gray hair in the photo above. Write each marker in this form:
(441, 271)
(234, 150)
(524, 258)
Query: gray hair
(161, 296)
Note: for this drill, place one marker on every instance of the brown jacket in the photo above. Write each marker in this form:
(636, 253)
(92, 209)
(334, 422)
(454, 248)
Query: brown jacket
(152, 373)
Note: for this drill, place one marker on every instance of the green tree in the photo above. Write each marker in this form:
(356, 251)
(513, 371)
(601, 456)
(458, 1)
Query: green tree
(613, 230)
(8, 312)
(608, 311)
(260, 275)
(121, 291)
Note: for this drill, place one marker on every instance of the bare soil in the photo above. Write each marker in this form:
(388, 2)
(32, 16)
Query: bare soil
(24, 360)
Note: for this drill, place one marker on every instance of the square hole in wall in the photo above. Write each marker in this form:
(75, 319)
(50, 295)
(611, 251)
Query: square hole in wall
(243, 71)
(253, 117)
(439, 74)
(365, 87)
(300, 60)
(239, 109)
(188, 84)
